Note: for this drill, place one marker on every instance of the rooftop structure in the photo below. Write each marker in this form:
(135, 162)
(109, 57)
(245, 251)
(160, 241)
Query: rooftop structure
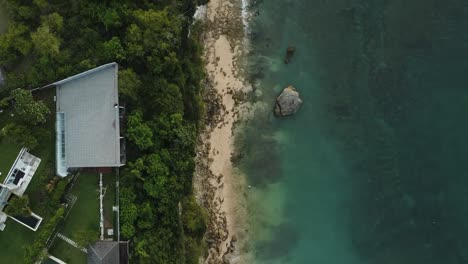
(108, 252)
(16, 182)
(21, 173)
(87, 124)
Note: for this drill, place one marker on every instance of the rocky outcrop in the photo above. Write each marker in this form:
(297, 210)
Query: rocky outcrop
(289, 54)
(288, 102)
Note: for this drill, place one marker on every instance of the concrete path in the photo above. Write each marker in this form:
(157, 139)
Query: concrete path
(71, 242)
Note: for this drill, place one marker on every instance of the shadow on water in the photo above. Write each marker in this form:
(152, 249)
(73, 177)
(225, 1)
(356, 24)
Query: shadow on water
(256, 146)
(258, 150)
(283, 241)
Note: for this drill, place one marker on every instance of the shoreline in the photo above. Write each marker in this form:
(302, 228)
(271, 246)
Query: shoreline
(219, 187)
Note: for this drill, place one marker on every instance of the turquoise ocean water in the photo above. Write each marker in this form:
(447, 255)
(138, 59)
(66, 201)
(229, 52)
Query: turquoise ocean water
(374, 166)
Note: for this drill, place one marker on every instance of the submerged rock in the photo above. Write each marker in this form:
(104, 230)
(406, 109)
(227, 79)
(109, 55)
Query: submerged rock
(288, 102)
(289, 54)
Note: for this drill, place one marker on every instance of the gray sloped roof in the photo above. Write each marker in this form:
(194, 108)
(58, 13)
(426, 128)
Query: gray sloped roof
(104, 252)
(89, 119)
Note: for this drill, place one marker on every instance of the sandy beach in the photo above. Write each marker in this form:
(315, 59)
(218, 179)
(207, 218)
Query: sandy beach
(219, 187)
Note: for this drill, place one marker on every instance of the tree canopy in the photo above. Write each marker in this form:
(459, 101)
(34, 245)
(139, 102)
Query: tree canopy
(45, 42)
(18, 206)
(160, 74)
(20, 134)
(139, 132)
(27, 109)
(14, 43)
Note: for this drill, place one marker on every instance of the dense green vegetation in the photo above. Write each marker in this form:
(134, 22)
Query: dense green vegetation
(159, 81)
(34, 251)
(18, 206)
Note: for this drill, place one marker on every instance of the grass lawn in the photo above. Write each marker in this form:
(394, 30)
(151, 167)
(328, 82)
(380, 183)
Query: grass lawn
(8, 152)
(84, 216)
(109, 201)
(16, 236)
(12, 240)
(67, 253)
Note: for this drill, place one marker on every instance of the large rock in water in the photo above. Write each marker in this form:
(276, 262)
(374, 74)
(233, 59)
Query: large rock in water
(288, 102)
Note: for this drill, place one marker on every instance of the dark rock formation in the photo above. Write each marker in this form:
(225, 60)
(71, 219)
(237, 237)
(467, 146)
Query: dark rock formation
(289, 54)
(288, 102)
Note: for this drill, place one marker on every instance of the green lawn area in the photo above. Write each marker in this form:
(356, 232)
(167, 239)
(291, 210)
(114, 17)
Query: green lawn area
(16, 236)
(109, 201)
(67, 253)
(84, 216)
(12, 239)
(8, 151)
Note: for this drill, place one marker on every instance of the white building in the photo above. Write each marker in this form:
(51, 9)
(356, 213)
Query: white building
(16, 182)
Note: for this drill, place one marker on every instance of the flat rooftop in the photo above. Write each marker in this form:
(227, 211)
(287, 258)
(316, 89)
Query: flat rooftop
(17, 180)
(88, 130)
(19, 176)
